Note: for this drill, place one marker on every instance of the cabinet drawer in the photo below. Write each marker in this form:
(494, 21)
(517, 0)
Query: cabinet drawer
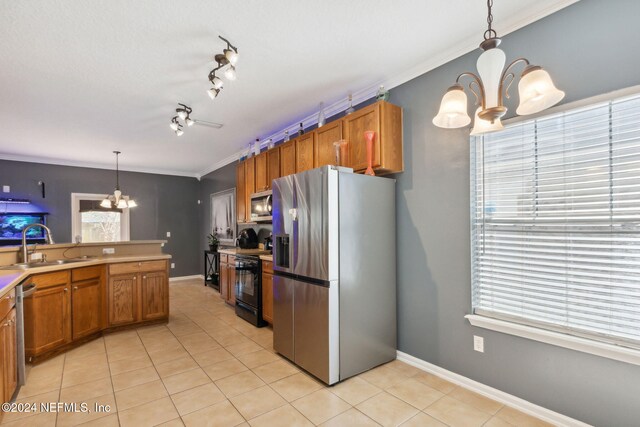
(86, 273)
(7, 302)
(267, 267)
(136, 267)
(48, 280)
(223, 258)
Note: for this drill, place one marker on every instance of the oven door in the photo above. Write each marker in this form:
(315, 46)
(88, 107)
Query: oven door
(261, 206)
(247, 280)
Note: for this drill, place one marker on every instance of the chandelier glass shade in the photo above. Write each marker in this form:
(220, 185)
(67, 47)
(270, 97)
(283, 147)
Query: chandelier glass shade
(491, 85)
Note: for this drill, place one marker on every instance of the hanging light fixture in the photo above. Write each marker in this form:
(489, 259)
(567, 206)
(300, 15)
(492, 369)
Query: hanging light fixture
(228, 57)
(117, 200)
(535, 89)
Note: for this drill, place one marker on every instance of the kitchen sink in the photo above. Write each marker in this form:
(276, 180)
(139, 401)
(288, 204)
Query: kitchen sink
(35, 264)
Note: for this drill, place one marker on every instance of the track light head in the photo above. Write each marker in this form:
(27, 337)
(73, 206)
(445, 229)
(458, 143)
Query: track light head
(213, 92)
(189, 121)
(231, 55)
(174, 123)
(230, 73)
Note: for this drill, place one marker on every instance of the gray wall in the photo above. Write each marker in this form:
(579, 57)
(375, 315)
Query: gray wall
(218, 180)
(165, 203)
(589, 48)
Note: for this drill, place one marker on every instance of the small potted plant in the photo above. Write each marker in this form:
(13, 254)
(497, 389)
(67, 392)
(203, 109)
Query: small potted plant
(213, 242)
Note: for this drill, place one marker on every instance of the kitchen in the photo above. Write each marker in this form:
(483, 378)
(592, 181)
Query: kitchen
(179, 353)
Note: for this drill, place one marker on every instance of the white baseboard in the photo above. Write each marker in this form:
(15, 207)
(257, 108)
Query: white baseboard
(492, 393)
(181, 278)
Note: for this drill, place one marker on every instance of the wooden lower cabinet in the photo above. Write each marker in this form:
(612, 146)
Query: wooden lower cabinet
(267, 297)
(9, 352)
(228, 279)
(154, 299)
(140, 295)
(47, 318)
(123, 299)
(72, 305)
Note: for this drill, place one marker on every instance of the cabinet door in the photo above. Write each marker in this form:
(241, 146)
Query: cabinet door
(232, 285)
(155, 295)
(240, 193)
(123, 299)
(262, 177)
(355, 125)
(10, 356)
(325, 137)
(250, 185)
(267, 297)
(3, 360)
(47, 319)
(224, 281)
(273, 165)
(86, 304)
(288, 158)
(305, 147)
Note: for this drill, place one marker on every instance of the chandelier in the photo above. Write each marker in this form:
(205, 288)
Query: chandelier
(117, 200)
(535, 89)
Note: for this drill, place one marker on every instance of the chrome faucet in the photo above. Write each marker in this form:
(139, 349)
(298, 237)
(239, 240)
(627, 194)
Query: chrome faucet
(25, 252)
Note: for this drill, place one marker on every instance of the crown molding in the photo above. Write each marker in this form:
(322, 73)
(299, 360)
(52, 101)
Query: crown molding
(81, 164)
(364, 94)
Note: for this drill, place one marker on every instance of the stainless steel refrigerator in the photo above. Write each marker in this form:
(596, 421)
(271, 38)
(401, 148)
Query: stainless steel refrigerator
(334, 284)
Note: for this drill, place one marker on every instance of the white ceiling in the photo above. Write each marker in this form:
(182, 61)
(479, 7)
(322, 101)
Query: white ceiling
(80, 79)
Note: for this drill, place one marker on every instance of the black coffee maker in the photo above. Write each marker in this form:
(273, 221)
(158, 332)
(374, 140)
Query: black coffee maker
(247, 239)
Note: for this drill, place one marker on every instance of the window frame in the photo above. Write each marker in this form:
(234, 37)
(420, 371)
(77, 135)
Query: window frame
(587, 344)
(76, 217)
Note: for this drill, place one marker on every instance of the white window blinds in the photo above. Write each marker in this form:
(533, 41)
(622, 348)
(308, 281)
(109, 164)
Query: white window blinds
(556, 222)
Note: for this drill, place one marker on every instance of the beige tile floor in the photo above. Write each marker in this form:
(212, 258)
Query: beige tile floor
(208, 367)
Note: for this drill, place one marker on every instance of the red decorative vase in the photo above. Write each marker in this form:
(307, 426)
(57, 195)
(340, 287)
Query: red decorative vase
(368, 136)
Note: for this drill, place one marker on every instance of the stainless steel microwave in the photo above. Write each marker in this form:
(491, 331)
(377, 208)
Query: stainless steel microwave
(261, 206)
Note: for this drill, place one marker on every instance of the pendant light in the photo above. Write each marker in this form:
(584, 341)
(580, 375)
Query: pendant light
(535, 89)
(117, 200)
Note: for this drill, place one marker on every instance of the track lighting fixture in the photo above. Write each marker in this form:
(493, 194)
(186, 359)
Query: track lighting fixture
(228, 57)
(183, 111)
(175, 124)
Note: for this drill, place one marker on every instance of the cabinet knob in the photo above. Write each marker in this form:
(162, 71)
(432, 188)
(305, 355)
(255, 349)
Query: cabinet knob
(66, 289)
(135, 277)
(144, 277)
(139, 264)
(75, 288)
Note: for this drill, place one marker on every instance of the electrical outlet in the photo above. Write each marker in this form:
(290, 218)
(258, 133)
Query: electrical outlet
(36, 256)
(478, 343)
(6, 189)
(198, 201)
(168, 234)
(173, 265)
(108, 251)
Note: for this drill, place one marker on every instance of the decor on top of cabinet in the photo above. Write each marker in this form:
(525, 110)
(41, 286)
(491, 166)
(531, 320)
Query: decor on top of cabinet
(321, 117)
(382, 95)
(286, 136)
(535, 89)
(213, 242)
(368, 136)
(256, 147)
(350, 109)
(341, 148)
(223, 216)
(300, 130)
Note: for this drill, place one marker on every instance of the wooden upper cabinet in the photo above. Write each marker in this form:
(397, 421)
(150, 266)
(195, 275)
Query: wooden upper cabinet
(288, 158)
(386, 121)
(249, 185)
(305, 148)
(262, 176)
(325, 137)
(240, 193)
(273, 165)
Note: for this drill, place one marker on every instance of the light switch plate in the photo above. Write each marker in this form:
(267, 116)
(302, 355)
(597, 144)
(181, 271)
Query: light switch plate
(168, 234)
(478, 343)
(173, 265)
(6, 189)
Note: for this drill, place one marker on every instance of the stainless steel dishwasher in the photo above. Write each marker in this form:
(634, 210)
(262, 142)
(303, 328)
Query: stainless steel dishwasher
(23, 290)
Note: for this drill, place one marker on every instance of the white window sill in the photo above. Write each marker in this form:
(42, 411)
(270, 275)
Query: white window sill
(610, 351)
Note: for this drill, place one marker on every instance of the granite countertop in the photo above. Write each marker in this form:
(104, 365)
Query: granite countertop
(9, 278)
(238, 251)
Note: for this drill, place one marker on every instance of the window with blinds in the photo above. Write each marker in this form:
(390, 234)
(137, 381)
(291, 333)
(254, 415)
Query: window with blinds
(555, 207)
